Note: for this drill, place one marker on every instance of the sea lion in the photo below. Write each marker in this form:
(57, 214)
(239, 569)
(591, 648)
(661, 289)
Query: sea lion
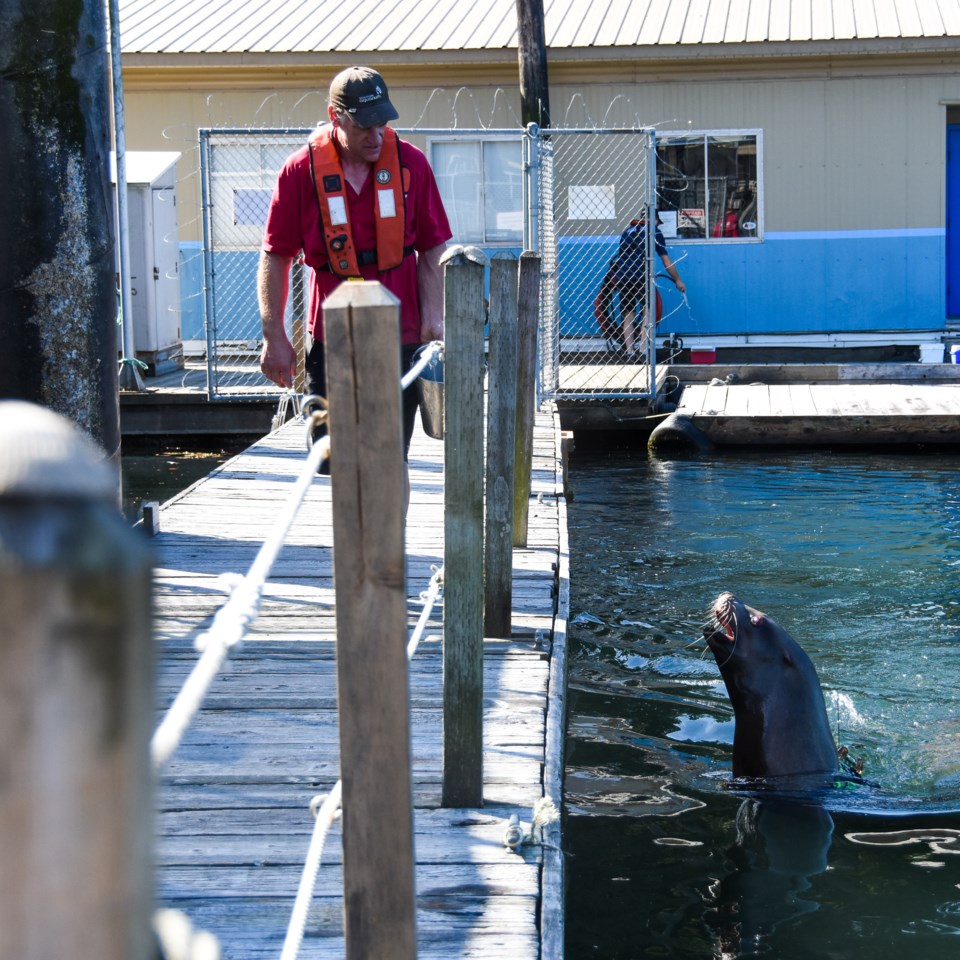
(781, 726)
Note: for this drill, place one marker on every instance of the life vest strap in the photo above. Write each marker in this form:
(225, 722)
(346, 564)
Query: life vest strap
(366, 258)
(390, 185)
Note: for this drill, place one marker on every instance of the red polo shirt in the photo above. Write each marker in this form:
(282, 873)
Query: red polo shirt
(293, 224)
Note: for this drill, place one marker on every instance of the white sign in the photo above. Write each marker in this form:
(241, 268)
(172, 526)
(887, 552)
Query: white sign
(668, 223)
(510, 220)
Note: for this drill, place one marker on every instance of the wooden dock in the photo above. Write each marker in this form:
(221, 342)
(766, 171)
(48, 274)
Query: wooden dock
(807, 413)
(233, 823)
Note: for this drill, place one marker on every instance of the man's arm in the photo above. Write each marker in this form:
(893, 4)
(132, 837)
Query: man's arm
(430, 293)
(278, 359)
(672, 270)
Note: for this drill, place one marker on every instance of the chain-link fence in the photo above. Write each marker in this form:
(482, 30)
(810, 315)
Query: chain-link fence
(597, 319)
(584, 187)
(239, 169)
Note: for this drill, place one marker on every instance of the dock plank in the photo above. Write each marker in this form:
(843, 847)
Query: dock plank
(841, 412)
(233, 824)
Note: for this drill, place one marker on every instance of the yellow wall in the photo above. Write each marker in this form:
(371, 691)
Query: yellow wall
(854, 143)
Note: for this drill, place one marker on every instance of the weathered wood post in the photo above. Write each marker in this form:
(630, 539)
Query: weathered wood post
(501, 433)
(532, 58)
(76, 701)
(361, 327)
(528, 319)
(463, 529)
(58, 295)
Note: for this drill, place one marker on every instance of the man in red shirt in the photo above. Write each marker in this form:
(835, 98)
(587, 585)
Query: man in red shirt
(358, 201)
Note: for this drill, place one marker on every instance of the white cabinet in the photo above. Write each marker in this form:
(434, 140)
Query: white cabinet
(154, 259)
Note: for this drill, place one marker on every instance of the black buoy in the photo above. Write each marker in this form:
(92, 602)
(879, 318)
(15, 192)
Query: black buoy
(678, 434)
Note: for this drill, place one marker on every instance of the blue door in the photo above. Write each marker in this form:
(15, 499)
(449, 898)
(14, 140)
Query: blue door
(953, 220)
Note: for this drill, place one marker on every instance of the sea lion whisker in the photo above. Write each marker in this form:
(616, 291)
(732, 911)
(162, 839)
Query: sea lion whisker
(696, 640)
(730, 613)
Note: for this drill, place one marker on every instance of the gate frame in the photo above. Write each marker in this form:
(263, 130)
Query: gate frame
(534, 146)
(533, 163)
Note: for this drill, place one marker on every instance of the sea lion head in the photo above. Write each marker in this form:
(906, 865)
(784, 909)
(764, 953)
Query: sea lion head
(737, 631)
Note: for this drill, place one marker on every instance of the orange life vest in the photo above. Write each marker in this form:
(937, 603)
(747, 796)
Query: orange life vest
(343, 258)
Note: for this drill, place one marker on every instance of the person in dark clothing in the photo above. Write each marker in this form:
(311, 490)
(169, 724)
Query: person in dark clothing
(630, 275)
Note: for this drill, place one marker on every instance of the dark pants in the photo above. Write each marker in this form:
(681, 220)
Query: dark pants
(317, 385)
(632, 294)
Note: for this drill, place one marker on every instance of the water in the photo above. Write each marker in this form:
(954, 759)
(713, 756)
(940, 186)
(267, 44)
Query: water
(157, 468)
(858, 556)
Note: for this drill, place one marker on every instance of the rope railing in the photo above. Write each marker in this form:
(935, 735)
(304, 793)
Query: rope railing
(429, 354)
(230, 625)
(329, 807)
(233, 618)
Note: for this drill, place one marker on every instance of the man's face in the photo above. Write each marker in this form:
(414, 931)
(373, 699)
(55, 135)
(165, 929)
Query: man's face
(358, 143)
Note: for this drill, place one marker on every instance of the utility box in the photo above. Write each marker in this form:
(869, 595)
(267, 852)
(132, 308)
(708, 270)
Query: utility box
(154, 258)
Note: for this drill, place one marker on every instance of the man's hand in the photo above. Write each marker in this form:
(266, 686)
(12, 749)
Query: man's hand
(431, 329)
(430, 292)
(278, 361)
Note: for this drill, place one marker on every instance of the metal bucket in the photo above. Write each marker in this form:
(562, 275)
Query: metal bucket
(430, 388)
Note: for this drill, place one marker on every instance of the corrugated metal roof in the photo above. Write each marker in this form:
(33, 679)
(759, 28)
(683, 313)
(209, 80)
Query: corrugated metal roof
(369, 26)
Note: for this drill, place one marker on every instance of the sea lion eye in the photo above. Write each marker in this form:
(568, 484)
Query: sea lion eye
(756, 619)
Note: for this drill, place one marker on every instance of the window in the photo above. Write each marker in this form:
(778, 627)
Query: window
(482, 188)
(710, 183)
(242, 171)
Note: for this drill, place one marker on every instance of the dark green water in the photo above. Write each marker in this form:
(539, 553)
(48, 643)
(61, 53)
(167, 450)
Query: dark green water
(159, 468)
(858, 556)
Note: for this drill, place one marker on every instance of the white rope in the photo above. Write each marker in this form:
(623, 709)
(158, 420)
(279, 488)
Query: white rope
(232, 619)
(433, 350)
(331, 805)
(298, 918)
(226, 632)
(430, 597)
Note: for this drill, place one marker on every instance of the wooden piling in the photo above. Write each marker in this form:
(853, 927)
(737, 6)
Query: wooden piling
(362, 324)
(58, 285)
(501, 433)
(528, 319)
(463, 529)
(532, 58)
(76, 701)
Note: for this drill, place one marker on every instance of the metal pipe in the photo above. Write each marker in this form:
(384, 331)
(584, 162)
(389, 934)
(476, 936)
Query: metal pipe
(129, 374)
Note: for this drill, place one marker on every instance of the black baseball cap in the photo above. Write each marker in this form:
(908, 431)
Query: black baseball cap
(362, 93)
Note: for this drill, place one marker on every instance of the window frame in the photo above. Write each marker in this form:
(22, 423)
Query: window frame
(722, 134)
(482, 140)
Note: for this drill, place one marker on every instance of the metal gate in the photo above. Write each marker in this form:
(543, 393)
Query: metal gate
(238, 172)
(583, 188)
(590, 185)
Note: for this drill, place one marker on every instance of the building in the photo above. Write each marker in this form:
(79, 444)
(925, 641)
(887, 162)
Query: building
(808, 153)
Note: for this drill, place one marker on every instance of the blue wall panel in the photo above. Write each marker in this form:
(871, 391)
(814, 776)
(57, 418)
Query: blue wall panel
(238, 312)
(953, 220)
(793, 283)
(191, 291)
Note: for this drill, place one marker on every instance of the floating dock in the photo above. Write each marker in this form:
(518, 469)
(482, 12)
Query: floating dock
(805, 403)
(825, 404)
(233, 820)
